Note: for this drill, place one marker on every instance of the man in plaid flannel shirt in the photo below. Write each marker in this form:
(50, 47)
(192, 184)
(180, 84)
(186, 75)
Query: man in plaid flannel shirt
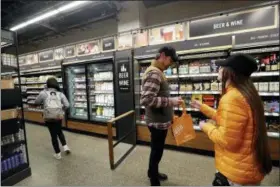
(159, 105)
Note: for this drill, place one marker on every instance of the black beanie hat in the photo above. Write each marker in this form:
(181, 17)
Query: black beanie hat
(241, 64)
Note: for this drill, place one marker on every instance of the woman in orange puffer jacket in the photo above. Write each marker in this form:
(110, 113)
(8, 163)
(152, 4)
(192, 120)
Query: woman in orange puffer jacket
(241, 144)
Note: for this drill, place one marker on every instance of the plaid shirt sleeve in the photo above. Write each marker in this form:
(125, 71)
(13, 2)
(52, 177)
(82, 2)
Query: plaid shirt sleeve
(150, 89)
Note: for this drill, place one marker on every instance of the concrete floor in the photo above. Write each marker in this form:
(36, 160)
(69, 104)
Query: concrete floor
(88, 164)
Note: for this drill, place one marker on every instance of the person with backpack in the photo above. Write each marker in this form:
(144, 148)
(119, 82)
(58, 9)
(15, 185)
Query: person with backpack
(54, 103)
(242, 155)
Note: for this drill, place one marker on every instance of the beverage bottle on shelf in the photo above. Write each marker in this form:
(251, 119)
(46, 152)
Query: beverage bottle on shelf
(13, 163)
(5, 165)
(9, 164)
(16, 159)
(9, 137)
(20, 158)
(258, 63)
(24, 154)
(184, 69)
(263, 65)
(267, 63)
(12, 138)
(273, 62)
(174, 71)
(278, 62)
(169, 71)
(16, 137)
(98, 111)
(180, 69)
(187, 69)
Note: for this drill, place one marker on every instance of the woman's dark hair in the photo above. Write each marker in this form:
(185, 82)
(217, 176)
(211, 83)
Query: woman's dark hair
(260, 139)
(52, 83)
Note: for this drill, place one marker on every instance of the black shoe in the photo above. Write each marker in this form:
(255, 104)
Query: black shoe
(161, 176)
(154, 182)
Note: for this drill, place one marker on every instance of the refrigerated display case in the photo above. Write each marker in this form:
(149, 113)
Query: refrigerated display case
(101, 92)
(90, 90)
(76, 91)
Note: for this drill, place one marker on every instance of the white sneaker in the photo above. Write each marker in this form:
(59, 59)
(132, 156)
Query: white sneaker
(57, 156)
(66, 149)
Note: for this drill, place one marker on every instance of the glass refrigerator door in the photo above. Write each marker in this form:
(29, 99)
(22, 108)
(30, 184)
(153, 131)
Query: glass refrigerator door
(101, 92)
(76, 82)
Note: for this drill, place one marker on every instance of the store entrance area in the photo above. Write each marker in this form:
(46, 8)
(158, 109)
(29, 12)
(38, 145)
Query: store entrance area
(88, 165)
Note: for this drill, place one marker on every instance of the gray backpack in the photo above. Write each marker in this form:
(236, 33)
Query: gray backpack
(53, 108)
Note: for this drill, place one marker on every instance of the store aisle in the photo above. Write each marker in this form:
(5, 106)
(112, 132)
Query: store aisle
(88, 164)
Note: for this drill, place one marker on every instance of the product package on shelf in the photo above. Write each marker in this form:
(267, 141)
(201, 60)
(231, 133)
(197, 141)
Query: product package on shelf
(8, 59)
(13, 160)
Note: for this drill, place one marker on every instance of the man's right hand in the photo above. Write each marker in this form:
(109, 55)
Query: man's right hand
(177, 101)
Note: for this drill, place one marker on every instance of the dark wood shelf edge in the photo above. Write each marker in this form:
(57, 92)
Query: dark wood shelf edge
(17, 177)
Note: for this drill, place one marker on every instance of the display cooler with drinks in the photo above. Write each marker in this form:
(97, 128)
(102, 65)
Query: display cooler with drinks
(89, 87)
(14, 153)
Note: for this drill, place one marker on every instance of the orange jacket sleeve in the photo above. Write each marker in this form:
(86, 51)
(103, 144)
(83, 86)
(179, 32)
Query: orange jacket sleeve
(232, 119)
(208, 111)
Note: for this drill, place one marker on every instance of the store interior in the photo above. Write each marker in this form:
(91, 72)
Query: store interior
(101, 76)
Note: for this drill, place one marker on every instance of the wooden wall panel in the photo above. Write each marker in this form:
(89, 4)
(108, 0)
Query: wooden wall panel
(36, 117)
(8, 114)
(88, 127)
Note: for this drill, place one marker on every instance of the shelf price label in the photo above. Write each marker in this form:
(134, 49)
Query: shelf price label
(123, 75)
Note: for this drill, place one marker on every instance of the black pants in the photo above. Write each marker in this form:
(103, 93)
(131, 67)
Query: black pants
(157, 146)
(55, 128)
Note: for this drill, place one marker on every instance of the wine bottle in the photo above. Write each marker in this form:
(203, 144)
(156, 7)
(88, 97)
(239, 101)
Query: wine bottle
(278, 62)
(262, 66)
(267, 63)
(274, 65)
(258, 63)
(174, 71)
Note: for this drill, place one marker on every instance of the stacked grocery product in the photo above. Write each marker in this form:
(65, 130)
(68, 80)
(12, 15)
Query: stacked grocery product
(268, 62)
(15, 157)
(13, 161)
(31, 87)
(9, 60)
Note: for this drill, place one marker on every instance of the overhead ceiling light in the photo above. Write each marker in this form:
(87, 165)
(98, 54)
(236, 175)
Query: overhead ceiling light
(49, 14)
